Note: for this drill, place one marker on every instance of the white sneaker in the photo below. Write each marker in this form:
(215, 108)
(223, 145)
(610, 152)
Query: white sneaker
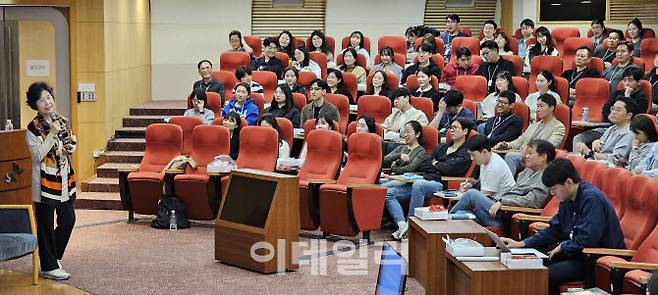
(56, 274)
(402, 229)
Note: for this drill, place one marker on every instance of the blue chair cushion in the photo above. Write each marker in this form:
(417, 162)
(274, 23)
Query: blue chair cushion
(16, 245)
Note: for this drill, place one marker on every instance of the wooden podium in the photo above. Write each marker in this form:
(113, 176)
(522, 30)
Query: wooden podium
(15, 169)
(257, 226)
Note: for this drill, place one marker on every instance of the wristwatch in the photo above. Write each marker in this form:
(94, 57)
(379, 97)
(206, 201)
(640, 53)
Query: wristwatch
(590, 155)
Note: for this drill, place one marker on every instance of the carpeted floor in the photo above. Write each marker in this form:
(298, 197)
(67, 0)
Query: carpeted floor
(106, 255)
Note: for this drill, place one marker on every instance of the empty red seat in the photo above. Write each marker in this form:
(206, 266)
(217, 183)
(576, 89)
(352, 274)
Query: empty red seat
(350, 83)
(430, 138)
(376, 106)
(268, 80)
(305, 79)
(648, 51)
(255, 43)
(563, 33)
(187, 123)
(563, 114)
(299, 100)
(592, 93)
(521, 109)
(516, 61)
(228, 79)
(521, 85)
(474, 87)
(215, 103)
(321, 60)
(398, 43)
(549, 63)
(231, 60)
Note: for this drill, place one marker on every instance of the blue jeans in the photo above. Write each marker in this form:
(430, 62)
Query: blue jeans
(415, 194)
(476, 202)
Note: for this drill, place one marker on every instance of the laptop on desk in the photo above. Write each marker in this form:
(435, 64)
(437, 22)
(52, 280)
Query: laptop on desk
(392, 278)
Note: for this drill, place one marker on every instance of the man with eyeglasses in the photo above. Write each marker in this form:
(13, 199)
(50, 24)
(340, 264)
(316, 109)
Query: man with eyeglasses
(424, 60)
(318, 105)
(505, 126)
(452, 31)
(492, 64)
(207, 83)
(615, 143)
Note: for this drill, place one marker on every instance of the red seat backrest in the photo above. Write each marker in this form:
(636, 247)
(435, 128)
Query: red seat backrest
(228, 79)
(521, 85)
(521, 109)
(551, 207)
(648, 51)
(268, 80)
(513, 44)
(562, 34)
(331, 43)
(255, 43)
(640, 213)
(321, 59)
(391, 79)
(561, 84)
(187, 123)
(163, 143)
(208, 141)
(398, 43)
(578, 162)
(258, 100)
(283, 57)
(648, 250)
(516, 61)
(351, 128)
(366, 43)
(231, 60)
(360, 59)
(596, 63)
(214, 103)
(592, 93)
(259, 148)
(412, 82)
(430, 138)
(437, 58)
(309, 126)
(616, 188)
(440, 45)
(285, 126)
(424, 105)
(470, 105)
(376, 106)
(549, 63)
(350, 83)
(466, 31)
(569, 48)
(473, 44)
(397, 58)
(299, 100)
(472, 86)
(343, 105)
(305, 79)
(324, 153)
(563, 114)
(364, 159)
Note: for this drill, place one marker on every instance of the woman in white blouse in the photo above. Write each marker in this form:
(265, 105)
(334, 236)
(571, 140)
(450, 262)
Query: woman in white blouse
(545, 84)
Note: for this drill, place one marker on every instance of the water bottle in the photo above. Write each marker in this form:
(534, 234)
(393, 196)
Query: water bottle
(585, 114)
(172, 221)
(9, 126)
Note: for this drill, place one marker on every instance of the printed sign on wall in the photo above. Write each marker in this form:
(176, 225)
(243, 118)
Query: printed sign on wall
(37, 68)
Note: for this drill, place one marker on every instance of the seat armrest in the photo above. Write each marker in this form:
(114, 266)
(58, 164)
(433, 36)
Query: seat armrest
(218, 173)
(456, 178)
(363, 186)
(321, 181)
(527, 217)
(173, 171)
(521, 209)
(30, 214)
(607, 251)
(128, 169)
(542, 225)
(634, 265)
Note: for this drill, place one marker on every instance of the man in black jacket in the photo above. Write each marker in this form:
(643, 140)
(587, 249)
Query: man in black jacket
(492, 64)
(207, 83)
(506, 126)
(581, 70)
(424, 60)
(632, 78)
(268, 62)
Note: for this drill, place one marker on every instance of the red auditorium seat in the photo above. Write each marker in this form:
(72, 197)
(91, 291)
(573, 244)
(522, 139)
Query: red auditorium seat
(283, 57)
(268, 80)
(592, 93)
(309, 126)
(324, 153)
(141, 190)
(430, 138)
(351, 128)
(412, 83)
(398, 43)
(540, 63)
(424, 105)
(376, 106)
(564, 115)
(285, 126)
(473, 87)
(331, 43)
(648, 51)
(466, 31)
(255, 43)
(360, 59)
(321, 60)
(616, 191)
(305, 79)
(561, 84)
(343, 105)
(187, 123)
(597, 64)
(391, 79)
(569, 48)
(562, 34)
(513, 44)
(366, 43)
(518, 65)
(259, 148)
(521, 109)
(438, 60)
(521, 85)
(469, 105)
(473, 44)
(195, 188)
(350, 83)
(353, 203)
(299, 100)
(520, 225)
(398, 59)
(231, 60)
(215, 103)
(228, 79)
(440, 45)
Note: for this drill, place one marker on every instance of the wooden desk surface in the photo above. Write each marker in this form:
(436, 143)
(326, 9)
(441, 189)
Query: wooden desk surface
(446, 226)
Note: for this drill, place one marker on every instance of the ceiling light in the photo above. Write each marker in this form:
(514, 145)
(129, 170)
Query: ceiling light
(556, 4)
(586, 2)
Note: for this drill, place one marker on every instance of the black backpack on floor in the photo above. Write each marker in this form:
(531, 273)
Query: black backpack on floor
(163, 209)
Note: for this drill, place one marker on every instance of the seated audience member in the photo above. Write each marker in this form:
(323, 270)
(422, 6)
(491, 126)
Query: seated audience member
(527, 192)
(488, 31)
(503, 44)
(527, 27)
(451, 32)
(388, 64)
(403, 112)
(460, 67)
(634, 31)
(351, 65)
(649, 164)
(429, 39)
(199, 101)
(445, 160)
(207, 83)
(322, 123)
(450, 107)
(290, 78)
(379, 85)
(302, 62)
(645, 137)
(283, 105)
(242, 104)
(614, 74)
(632, 77)
(357, 41)
(544, 46)
(337, 85)
(318, 106)
(581, 70)
(599, 33)
(408, 156)
(233, 123)
(547, 128)
(424, 61)
(268, 120)
(505, 126)
(583, 207)
(615, 143)
(492, 64)
(285, 44)
(366, 124)
(319, 44)
(608, 55)
(237, 43)
(546, 84)
(268, 62)
(503, 83)
(425, 88)
(652, 77)
(244, 76)
(494, 175)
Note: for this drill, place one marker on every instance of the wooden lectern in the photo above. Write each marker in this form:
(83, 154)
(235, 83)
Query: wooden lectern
(257, 226)
(15, 168)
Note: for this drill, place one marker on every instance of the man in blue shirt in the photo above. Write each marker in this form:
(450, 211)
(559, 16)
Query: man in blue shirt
(585, 219)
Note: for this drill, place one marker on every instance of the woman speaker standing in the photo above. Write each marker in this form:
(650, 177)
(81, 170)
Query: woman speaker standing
(51, 145)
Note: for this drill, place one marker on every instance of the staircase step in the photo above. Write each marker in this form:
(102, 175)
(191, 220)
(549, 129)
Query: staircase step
(126, 144)
(101, 184)
(98, 201)
(160, 107)
(124, 156)
(142, 121)
(109, 170)
(130, 132)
